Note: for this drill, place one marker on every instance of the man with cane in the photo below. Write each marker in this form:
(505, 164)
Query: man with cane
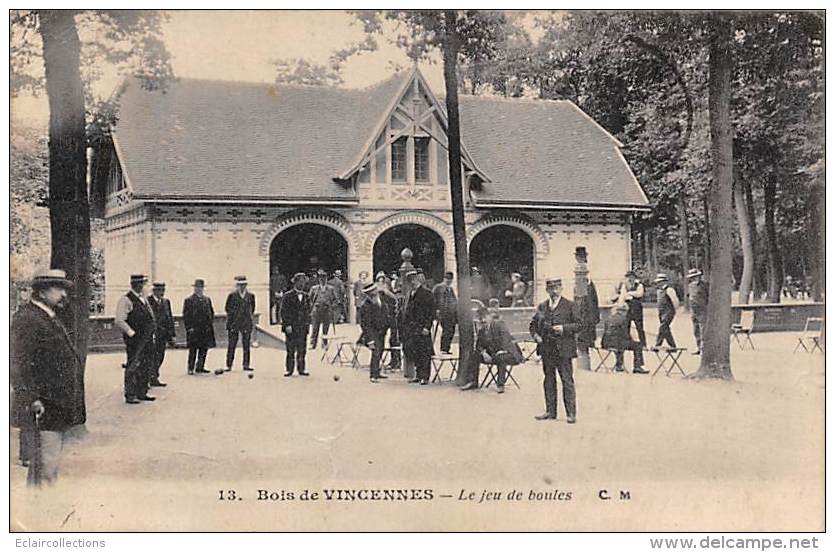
(44, 363)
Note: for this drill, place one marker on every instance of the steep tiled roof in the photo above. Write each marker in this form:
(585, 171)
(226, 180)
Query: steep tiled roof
(215, 139)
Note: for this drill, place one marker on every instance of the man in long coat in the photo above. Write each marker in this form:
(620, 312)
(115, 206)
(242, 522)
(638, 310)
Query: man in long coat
(164, 337)
(44, 364)
(375, 322)
(616, 338)
(295, 322)
(417, 328)
(135, 318)
(240, 315)
(553, 327)
(446, 310)
(198, 319)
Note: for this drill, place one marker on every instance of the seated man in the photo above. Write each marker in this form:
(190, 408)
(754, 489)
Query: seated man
(494, 345)
(616, 338)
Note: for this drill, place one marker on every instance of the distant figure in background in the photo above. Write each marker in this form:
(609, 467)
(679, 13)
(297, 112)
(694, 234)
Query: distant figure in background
(43, 365)
(631, 292)
(198, 319)
(359, 285)
(136, 320)
(240, 321)
(517, 290)
(698, 295)
(667, 305)
(478, 285)
(340, 312)
(375, 318)
(165, 328)
(323, 305)
(295, 321)
(446, 310)
(616, 338)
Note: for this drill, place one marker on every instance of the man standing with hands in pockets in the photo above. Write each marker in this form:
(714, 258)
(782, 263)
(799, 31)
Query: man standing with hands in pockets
(240, 310)
(553, 327)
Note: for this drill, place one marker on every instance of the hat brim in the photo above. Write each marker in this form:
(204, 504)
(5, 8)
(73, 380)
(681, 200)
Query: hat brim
(43, 283)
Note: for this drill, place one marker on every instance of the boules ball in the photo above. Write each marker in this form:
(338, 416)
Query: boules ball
(336, 377)
(219, 371)
(250, 376)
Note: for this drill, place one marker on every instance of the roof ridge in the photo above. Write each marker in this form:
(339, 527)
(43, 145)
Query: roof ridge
(513, 100)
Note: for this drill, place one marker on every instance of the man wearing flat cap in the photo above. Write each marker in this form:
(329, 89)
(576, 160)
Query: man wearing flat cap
(554, 327)
(323, 305)
(417, 327)
(198, 319)
(44, 364)
(240, 315)
(161, 308)
(135, 318)
(295, 322)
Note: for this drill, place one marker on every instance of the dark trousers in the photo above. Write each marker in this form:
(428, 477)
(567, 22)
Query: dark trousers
(448, 324)
(552, 364)
(159, 358)
(139, 368)
(637, 352)
(376, 353)
(246, 336)
(394, 341)
(638, 321)
(321, 316)
(296, 344)
(664, 333)
(198, 353)
(419, 350)
(28, 439)
(697, 329)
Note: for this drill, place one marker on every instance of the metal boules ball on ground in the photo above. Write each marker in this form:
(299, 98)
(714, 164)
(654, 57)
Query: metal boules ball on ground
(336, 377)
(219, 371)
(250, 376)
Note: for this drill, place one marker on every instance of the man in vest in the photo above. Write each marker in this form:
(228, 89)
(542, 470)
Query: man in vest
(667, 305)
(199, 319)
(446, 311)
(323, 304)
(161, 307)
(136, 320)
(553, 327)
(295, 321)
(698, 294)
(240, 313)
(631, 292)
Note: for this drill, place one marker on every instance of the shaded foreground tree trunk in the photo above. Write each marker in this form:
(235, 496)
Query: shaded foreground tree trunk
(69, 214)
(746, 237)
(462, 259)
(716, 361)
(773, 257)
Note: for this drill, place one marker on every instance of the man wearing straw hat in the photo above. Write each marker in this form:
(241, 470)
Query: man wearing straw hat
(135, 318)
(375, 320)
(240, 313)
(667, 305)
(44, 363)
(698, 294)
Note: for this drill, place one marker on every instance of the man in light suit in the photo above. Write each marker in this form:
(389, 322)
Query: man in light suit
(240, 311)
(553, 327)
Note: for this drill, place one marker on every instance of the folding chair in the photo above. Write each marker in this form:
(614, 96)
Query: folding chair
(387, 354)
(528, 347)
(491, 377)
(671, 355)
(340, 345)
(744, 328)
(438, 364)
(603, 355)
(812, 336)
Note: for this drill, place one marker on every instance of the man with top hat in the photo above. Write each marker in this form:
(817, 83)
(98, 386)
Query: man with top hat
(631, 292)
(553, 327)
(416, 332)
(198, 319)
(323, 305)
(135, 318)
(698, 295)
(446, 310)
(161, 307)
(44, 364)
(667, 305)
(295, 321)
(240, 315)
(375, 321)
(588, 308)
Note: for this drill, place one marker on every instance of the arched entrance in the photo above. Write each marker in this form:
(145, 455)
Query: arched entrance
(305, 248)
(426, 245)
(498, 251)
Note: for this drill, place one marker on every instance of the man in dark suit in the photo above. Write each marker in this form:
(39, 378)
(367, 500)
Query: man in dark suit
(136, 320)
(375, 320)
(240, 312)
(161, 307)
(198, 318)
(446, 310)
(295, 322)
(44, 364)
(553, 327)
(417, 327)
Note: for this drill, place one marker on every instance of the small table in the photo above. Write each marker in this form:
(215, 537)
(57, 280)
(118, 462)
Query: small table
(671, 355)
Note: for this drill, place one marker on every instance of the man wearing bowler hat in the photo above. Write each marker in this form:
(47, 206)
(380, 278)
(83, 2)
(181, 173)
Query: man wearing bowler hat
(44, 364)
(161, 308)
(136, 320)
(295, 322)
(198, 319)
(417, 327)
(240, 313)
(554, 327)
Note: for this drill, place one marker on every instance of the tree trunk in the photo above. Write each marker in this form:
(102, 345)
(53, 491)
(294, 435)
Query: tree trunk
(684, 233)
(716, 353)
(745, 236)
(706, 244)
(462, 258)
(757, 280)
(773, 257)
(69, 215)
